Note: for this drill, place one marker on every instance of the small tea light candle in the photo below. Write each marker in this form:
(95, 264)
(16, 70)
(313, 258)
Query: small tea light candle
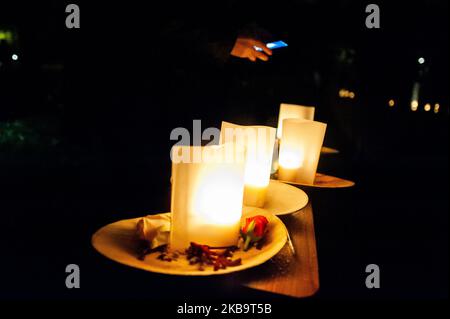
(206, 199)
(293, 111)
(300, 147)
(259, 143)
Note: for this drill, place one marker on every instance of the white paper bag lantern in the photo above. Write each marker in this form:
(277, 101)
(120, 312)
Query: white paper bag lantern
(259, 143)
(300, 147)
(206, 201)
(293, 111)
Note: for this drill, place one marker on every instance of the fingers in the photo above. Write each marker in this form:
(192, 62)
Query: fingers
(245, 48)
(263, 46)
(257, 55)
(261, 56)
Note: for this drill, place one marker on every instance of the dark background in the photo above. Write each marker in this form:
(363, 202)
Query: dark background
(85, 118)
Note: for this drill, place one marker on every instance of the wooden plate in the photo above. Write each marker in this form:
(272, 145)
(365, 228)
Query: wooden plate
(118, 242)
(327, 181)
(283, 199)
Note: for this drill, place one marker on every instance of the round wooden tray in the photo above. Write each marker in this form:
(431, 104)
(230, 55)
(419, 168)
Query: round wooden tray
(326, 181)
(118, 241)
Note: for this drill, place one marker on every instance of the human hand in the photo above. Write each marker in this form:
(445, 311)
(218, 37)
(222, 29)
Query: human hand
(245, 48)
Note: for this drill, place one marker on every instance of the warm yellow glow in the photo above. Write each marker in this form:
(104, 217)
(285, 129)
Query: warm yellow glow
(293, 111)
(206, 201)
(291, 159)
(427, 107)
(344, 93)
(300, 148)
(259, 144)
(391, 103)
(414, 105)
(255, 174)
(436, 108)
(215, 198)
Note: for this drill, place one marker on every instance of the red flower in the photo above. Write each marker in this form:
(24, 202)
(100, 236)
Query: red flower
(253, 230)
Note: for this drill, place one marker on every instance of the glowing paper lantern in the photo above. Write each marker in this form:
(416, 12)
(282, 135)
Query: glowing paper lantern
(259, 143)
(300, 147)
(292, 111)
(206, 201)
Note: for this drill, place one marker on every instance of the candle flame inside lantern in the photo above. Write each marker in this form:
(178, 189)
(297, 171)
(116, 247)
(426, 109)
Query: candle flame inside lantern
(291, 159)
(216, 199)
(207, 196)
(259, 143)
(253, 174)
(300, 147)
